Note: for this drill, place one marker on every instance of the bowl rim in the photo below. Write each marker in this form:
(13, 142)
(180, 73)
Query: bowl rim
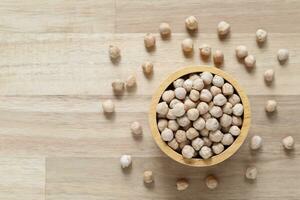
(217, 158)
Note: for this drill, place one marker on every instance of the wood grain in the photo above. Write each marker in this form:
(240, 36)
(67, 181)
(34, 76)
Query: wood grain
(56, 144)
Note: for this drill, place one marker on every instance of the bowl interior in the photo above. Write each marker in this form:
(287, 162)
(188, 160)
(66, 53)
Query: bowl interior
(197, 162)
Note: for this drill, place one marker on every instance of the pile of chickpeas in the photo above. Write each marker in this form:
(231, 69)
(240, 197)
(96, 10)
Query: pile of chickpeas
(200, 115)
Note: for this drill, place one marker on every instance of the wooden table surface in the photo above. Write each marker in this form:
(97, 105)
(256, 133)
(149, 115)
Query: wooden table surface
(56, 144)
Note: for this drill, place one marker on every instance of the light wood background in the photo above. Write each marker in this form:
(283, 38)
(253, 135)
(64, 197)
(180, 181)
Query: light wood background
(55, 143)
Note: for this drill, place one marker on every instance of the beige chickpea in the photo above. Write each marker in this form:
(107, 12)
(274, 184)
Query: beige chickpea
(162, 108)
(269, 75)
(227, 89)
(205, 51)
(215, 136)
(198, 84)
(238, 109)
(203, 108)
(193, 77)
(125, 161)
(192, 133)
(237, 121)
(211, 182)
(241, 51)
(288, 142)
(147, 68)
(118, 86)
(172, 124)
(218, 81)
(234, 130)
(183, 121)
(182, 144)
(261, 36)
(162, 124)
(215, 90)
(168, 96)
(219, 100)
(227, 108)
(178, 109)
(271, 106)
(149, 41)
(188, 104)
(165, 30)
(148, 177)
(212, 124)
(223, 28)
(178, 83)
(206, 116)
(216, 111)
(217, 148)
(136, 128)
(218, 58)
(108, 106)
(188, 151)
(234, 99)
(227, 139)
(188, 85)
(174, 102)
(205, 152)
(225, 129)
(205, 95)
(282, 55)
(180, 136)
(173, 144)
(182, 184)
(170, 114)
(130, 82)
(187, 45)
(197, 143)
(206, 77)
(191, 23)
(255, 142)
(207, 141)
(225, 120)
(180, 93)
(194, 95)
(199, 124)
(250, 61)
(167, 135)
(114, 52)
(251, 173)
(193, 114)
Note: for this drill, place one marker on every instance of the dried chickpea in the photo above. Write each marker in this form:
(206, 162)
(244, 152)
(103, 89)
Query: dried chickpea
(261, 36)
(205, 51)
(118, 86)
(108, 106)
(218, 58)
(223, 28)
(136, 128)
(282, 55)
(165, 30)
(241, 51)
(187, 45)
(147, 68)
(191, 23)
(251, 173)
(211, 182)
(271, 106)
(114, 52)
(250, 61)
(255, 142)
(288, 142)
(149, 41)
(182, 184)
(148, 177)
(269, 75)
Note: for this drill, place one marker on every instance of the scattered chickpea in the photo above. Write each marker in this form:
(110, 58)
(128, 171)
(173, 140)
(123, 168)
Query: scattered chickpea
(182, 184)
(136, 128)
(211, 182)
(218, 58)
(251, 173)
(269, 75)
(114, 52)
(187, 45)
(148, 177)
(255, 142)
(108, 106)
(147, 68)
(288, 142)
(282, 55)
(241, 51)
(130, 82)
(261, 36)
(149, 41)
(223, 28)
(271, 106)
(191, 23)
(165, 30)
(118, 86)
(250, 61)
(125, 161)
(205, 51)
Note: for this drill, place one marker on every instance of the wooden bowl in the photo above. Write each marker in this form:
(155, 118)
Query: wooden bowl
(197, 162)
